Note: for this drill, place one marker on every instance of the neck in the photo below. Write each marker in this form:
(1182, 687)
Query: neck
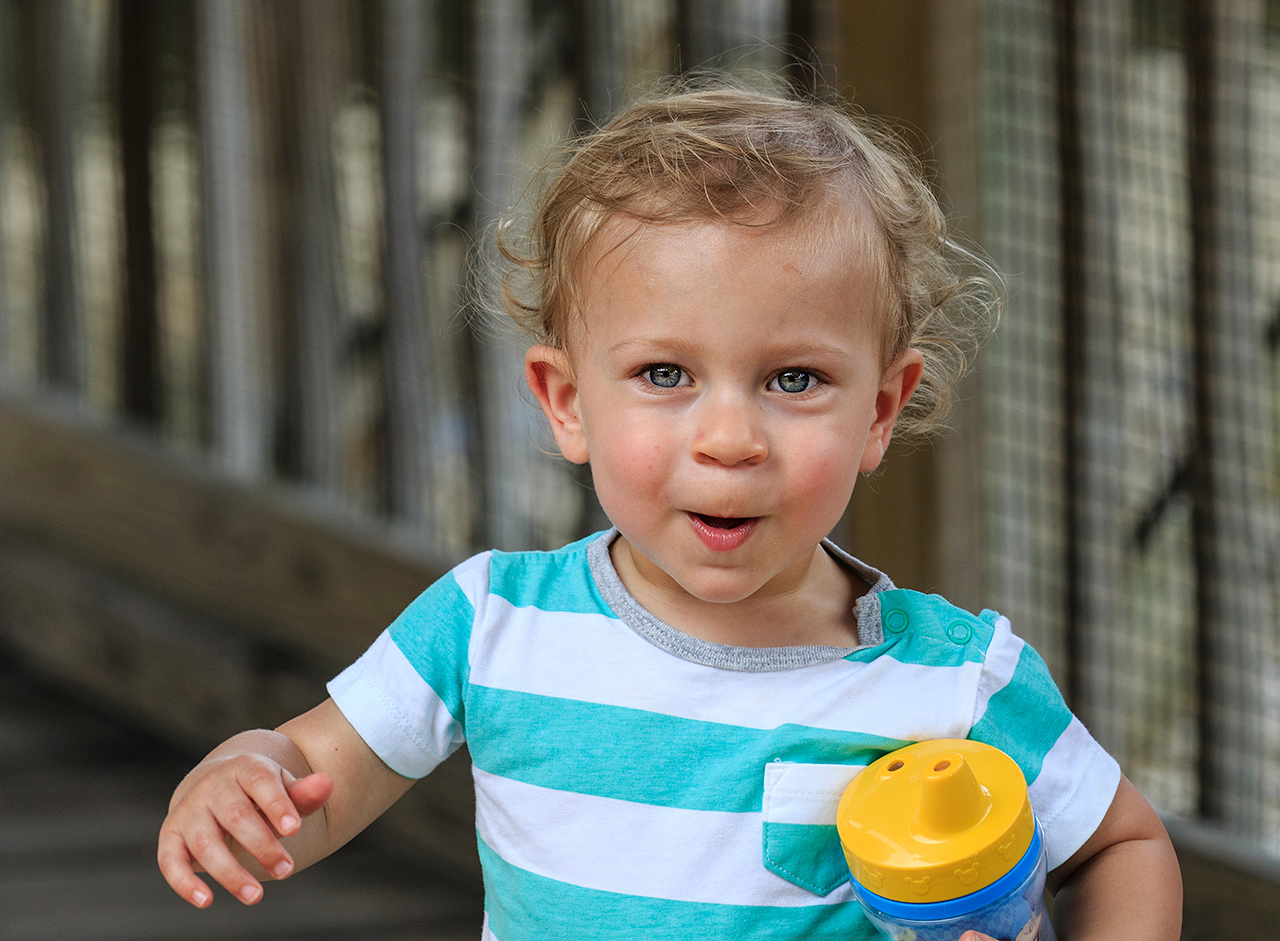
(814, 606)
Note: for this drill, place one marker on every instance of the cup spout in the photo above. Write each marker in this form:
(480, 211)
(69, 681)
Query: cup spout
(951, 799)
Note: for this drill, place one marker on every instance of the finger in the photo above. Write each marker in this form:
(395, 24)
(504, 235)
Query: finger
(265, 785)
(175, 866)
(243, 821)
(311, 793)
(207, 845)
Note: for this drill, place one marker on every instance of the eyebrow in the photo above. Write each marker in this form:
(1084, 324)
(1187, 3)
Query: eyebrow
(667, 343)
(781, 351)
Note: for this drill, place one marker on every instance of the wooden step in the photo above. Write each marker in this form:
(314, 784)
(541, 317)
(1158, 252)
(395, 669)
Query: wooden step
(81, 799)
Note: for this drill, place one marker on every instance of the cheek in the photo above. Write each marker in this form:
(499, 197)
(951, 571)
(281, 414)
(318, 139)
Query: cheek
(629, 459)
(825, 478)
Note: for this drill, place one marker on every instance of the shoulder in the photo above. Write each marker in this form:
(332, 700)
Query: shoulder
(559, 580)
(493, 583)
(521, 578)
(491, 590)
(932, 628)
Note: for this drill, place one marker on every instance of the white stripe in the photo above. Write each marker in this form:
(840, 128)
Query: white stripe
(1071, 806)
(486, 933)
(395, 711)
(1001, 663)
(636, 849)
(472, 577)
(596, 658)
(805, 793)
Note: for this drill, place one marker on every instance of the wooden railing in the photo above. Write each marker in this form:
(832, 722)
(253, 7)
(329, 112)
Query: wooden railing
(247, 410)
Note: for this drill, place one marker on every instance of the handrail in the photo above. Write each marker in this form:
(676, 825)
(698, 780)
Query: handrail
(271, 558)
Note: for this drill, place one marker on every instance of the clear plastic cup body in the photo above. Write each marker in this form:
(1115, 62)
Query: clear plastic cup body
(1011, 909)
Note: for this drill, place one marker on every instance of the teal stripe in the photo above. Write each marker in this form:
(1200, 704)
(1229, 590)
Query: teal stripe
(1027, 717)
(523, 906)
(928, 630)
(636, 755)
(557, 581)
(434, 633)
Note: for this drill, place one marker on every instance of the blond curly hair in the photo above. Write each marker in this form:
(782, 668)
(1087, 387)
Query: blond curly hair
(720, 152)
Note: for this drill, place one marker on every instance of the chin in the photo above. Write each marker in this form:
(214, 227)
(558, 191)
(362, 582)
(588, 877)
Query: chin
(716, 591)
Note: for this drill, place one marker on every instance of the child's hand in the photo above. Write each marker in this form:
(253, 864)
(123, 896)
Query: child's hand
(243, 800)
(975, 936)
(256, 787)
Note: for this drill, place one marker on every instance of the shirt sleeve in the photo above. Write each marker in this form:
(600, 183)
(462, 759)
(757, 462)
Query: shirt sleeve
(406, 694)
(1071, 778)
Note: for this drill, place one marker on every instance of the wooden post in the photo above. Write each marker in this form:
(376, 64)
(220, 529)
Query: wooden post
(10, 39)
(315, 293)
(735, 34)
(237, 383)
(600, 60)
(684, 60)
(955, 99)
(804, 65)
(62, 355)
(885, 64)
(698, 38)
(1089, 148)
(1234, 554)
(140, 372)
(500, 68)
(407, 353)
(1071, 198)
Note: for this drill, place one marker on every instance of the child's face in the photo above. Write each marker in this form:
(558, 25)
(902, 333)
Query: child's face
(727, 390)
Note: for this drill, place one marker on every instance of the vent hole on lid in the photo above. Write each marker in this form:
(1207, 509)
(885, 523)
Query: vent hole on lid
(894, 766)
(942, 765)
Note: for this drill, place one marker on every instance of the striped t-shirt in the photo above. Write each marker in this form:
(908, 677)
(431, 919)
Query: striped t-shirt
(635, 782)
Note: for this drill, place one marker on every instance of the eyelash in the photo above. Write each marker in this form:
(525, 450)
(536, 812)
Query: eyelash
(647, 373)
(811, 384)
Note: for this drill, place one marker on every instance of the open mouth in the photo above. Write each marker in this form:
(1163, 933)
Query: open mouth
(723, 533)
(722, 522)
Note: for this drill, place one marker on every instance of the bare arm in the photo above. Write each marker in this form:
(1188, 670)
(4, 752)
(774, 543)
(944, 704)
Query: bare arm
(1124, 883)
(228, 815)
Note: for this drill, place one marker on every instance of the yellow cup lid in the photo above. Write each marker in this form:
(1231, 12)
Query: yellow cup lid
(935, 820)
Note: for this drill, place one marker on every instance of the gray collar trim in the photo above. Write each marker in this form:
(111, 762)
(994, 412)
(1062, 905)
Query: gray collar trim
(726, 656)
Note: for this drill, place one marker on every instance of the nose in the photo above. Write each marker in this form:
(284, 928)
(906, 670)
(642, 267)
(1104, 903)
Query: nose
(730, 432)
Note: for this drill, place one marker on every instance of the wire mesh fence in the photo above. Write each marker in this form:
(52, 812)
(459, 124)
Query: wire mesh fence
(1132, 408)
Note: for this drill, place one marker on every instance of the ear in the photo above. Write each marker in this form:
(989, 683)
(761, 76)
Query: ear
(552, 383)
(896, 387)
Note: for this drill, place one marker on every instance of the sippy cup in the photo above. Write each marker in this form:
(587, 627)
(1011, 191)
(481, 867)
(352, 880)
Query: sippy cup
(940, 838)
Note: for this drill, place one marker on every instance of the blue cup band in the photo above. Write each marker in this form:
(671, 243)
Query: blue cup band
(951, 908)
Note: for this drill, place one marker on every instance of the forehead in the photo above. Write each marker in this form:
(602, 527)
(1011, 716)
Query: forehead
(835, 240)
(783, 285)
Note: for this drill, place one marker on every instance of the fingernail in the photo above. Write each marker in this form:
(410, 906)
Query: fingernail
(250, 893)
(288, 823)
(282, 869)
(200, 897)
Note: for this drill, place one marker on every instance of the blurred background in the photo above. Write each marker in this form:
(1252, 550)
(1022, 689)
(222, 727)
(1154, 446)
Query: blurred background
(245, 413)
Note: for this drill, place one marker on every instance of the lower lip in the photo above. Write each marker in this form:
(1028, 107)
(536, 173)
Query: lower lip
(723, 540)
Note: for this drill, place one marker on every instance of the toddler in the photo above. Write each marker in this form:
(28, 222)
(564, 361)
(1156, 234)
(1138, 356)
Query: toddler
(735, 298)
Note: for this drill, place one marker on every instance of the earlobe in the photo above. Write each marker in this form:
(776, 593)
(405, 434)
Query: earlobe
(551, 380)
(896, 388)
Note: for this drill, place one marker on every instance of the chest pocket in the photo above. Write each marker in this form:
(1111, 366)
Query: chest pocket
(800, 842)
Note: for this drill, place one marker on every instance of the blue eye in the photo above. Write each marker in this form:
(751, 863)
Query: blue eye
(793, 381)
(664, 375)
